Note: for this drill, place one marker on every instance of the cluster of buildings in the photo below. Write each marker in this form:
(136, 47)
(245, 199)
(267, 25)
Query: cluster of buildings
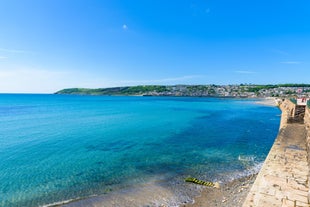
(247, 91)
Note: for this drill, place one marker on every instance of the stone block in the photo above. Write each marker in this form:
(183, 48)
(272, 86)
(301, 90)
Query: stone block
(300, 204)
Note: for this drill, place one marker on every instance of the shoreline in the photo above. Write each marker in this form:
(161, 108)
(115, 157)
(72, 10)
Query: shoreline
(268, 101)
(231, 194)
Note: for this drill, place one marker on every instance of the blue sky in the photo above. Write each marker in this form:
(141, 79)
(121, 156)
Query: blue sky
(53, 44)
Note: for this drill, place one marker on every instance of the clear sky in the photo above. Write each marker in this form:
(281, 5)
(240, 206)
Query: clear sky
(48, 45)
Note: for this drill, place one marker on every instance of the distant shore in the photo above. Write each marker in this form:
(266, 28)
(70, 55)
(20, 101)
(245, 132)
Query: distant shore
(211, 90)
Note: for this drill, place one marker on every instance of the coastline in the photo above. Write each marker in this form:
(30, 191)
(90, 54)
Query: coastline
(230, 194)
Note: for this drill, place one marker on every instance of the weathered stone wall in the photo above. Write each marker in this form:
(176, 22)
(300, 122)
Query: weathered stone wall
(288, 111)
(307, 126)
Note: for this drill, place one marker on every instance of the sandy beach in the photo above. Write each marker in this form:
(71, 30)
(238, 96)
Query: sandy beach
(269, 101)
(232, 194)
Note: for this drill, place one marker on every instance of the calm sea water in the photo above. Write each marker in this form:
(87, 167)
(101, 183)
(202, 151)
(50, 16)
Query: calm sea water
(55, 148)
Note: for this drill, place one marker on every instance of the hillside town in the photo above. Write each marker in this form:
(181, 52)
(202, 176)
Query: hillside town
(241, 91)
(248, 91)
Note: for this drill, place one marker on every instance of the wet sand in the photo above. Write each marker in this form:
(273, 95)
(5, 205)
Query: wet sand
(232, 194)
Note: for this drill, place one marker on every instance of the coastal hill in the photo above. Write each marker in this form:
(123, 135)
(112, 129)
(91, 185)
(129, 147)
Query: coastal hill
(242, 90)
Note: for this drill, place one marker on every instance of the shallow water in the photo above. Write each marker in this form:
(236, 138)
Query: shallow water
(55, 147)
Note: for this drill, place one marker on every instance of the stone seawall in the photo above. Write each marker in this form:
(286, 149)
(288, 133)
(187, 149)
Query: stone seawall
(283, 180)
(288, 110)
(307, 127)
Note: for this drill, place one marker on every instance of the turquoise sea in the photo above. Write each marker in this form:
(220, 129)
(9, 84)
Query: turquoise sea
(57, 148)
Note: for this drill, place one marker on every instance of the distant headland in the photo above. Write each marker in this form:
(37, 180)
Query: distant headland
(238, 91)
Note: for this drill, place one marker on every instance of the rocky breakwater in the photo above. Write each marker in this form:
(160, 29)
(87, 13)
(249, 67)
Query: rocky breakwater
(284, 177)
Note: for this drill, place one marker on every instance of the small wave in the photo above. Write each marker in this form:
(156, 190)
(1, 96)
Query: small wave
(254, 169)
(247, 158)
(60, 203)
